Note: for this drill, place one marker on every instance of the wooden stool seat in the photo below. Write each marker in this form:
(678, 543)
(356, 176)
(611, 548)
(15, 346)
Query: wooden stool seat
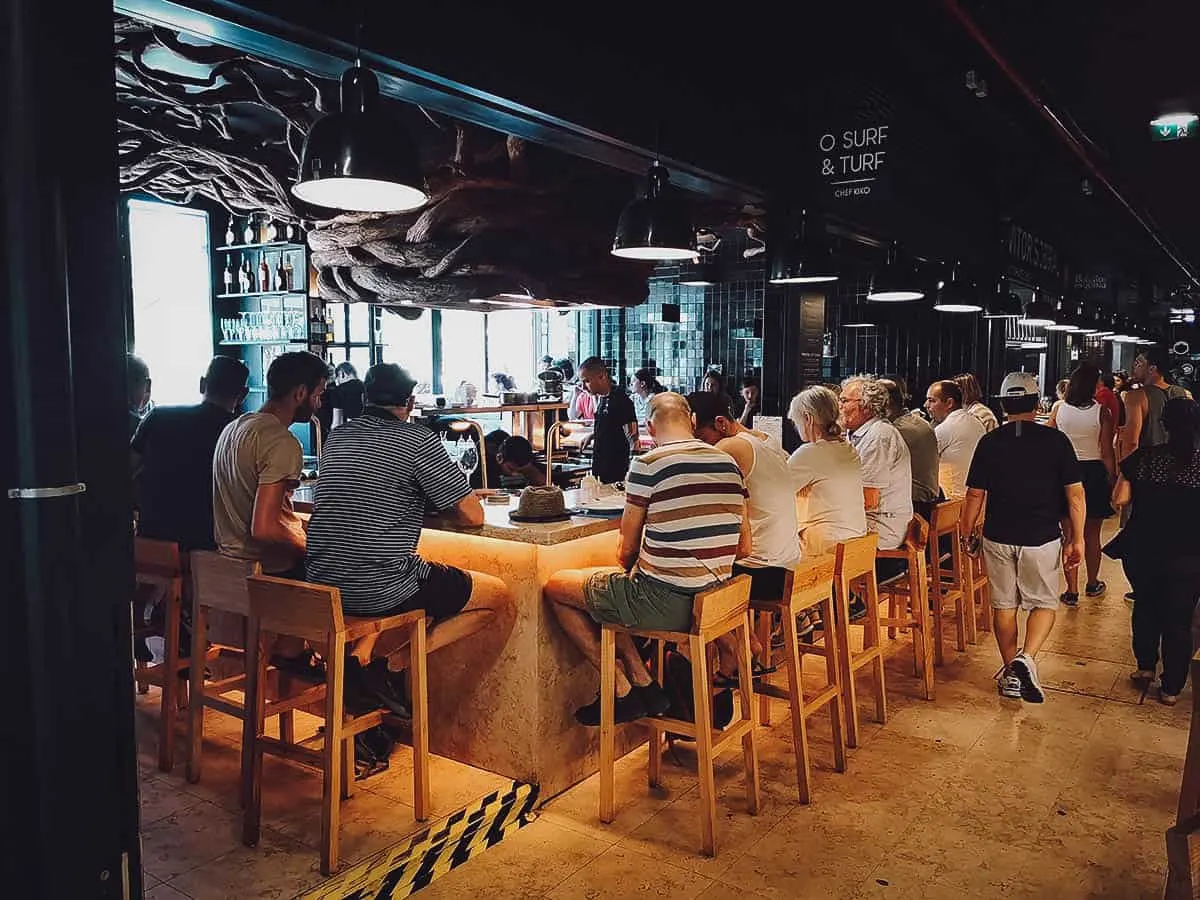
(313, 612)
(809, 586)
(716, 612)
(158, 571)
(855, 564)
(908, 599)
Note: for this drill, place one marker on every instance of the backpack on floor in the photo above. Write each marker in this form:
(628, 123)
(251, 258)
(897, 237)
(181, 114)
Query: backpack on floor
(677, 682)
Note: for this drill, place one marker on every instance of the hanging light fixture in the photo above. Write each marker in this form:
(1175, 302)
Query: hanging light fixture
(360, 158)
(1063, 320)
(1038, 313)
(655, 226)
(958, 295)
(795, 257)
(704, 272)
(896, 281)
(1003, 304)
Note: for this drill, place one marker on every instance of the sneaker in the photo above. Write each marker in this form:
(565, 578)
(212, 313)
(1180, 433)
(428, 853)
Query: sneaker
(628, 709)
(1142, 677)
(1168, 699)
(1009, 685)
(1095, 589)
(654, 699)
(376, 679)
(1069, 599)
(1025, 669)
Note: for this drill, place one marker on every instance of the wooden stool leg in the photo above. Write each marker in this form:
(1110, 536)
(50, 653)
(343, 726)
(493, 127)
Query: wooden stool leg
(195, 724)
(750, 738)
(287, 719)
(252, 727)
(764, 638)
(704, 752)
(845, 661)
(922, 638)
(608, 736)
(348, 768)
(654, 747)
(968, 601)
(333, 754)
(939, 654)
(837, 706)
(791, 646)
(893, 609)
(419, 682)
(170, 684)
(871, 640)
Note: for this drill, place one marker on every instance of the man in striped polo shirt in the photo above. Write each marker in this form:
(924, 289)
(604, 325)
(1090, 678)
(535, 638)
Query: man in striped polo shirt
(378, 473)
(683, 526)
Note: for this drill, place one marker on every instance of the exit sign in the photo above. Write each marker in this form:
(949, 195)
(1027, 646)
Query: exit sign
(1174, 127)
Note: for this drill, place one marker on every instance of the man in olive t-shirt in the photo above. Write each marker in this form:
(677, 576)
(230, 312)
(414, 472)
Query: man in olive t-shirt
(256, 466)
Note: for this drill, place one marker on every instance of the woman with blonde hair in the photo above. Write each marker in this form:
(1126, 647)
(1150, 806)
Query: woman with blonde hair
(826, 474)
(973, 401)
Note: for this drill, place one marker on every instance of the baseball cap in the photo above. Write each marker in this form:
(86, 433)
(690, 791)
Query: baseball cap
(1019, 384)
(386, 384)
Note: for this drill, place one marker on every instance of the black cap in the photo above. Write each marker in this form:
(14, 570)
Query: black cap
(387, 384)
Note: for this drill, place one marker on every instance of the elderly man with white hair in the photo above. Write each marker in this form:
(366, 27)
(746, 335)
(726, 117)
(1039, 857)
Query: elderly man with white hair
(887, 470)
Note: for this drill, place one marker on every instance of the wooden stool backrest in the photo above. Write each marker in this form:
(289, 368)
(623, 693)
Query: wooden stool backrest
(916, 540)
(295, 608)
(157, 562)
(946, 516)
(719, 604)
(812, 580)
(219, 582)
(856, 557)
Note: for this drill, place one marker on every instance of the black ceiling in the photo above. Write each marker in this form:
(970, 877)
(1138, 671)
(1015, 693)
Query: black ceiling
(741, 90)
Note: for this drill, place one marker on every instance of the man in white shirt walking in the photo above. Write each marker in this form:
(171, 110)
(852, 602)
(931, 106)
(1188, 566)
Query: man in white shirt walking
(958, 434)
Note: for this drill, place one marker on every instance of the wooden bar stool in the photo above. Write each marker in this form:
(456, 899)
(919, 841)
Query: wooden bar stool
(218, 583)
(159, 572)
(981, 591)
(313, 612)
(809, 586)
(717, 612)
(855, 564)
(908, 599)
(948, 584)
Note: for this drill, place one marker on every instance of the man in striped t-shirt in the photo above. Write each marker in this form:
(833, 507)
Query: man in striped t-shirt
(683, 526)
(378, 473)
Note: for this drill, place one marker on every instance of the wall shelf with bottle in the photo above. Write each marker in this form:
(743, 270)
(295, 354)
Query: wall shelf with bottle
(270, 245)
(260, 294)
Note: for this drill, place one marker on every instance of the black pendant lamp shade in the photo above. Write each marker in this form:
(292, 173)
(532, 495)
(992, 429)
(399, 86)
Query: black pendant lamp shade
(704, 272)
(1039, 313)
(896, 281)
(360, 158)
(1064, 319)
(796, 257)
(1003, 304)
(656, 226)
(958, 294)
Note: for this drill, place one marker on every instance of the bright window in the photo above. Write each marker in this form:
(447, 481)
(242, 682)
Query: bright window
(409, 343)
(172, 302)
(511, 346)
(462, 351)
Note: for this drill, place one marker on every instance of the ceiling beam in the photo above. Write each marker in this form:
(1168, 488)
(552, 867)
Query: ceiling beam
(234, 25)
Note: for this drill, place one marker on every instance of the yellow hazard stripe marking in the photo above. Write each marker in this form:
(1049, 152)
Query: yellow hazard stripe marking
(399, 871)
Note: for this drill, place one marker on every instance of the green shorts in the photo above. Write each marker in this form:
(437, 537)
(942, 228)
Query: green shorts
(638, 602)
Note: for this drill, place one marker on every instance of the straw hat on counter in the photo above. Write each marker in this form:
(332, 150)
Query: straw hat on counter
(540, 504)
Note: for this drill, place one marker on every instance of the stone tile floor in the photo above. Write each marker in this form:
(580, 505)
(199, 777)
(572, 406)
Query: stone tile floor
(968, 796)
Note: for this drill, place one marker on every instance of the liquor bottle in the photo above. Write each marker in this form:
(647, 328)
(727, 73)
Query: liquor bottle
(316, 328)
(328, 325)
(244, 277)
(248, 234)
(288, 274)
(230, 237)
(227, 277)
(264, 274)
(271, 232)
(281, 283)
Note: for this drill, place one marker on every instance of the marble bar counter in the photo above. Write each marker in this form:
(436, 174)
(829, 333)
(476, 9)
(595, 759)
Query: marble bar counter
(503, 699)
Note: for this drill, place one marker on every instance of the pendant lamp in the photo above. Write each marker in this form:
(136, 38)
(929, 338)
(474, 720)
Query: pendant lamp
(795, 257)
(896, 281)
(1003, 304)
(360, 158)
(1038, 313)
(1063, 319)
(958, 295)
(655, 226)
(704, 272)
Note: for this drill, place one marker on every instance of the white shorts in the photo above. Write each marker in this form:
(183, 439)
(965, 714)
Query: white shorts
(1023, 576)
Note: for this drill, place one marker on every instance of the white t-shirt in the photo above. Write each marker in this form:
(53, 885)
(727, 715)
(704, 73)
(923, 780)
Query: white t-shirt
(770, 506)
(984, 414)
(886, 466)
(828, 479)
(957, 437)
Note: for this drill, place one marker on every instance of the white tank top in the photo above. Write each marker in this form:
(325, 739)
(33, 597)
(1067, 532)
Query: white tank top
(1082, 426)
(772, 506)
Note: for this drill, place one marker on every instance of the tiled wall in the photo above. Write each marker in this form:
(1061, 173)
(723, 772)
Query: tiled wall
(719, 326)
